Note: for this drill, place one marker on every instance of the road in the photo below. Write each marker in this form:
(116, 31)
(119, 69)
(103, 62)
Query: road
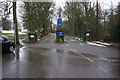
(74, 59)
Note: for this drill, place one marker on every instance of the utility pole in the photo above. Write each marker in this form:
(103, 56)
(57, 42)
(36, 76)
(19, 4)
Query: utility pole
(97, 21)
(59, 32)
(15, 23)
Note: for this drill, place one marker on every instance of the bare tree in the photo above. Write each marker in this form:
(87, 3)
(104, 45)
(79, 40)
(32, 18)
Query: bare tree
(5, 12)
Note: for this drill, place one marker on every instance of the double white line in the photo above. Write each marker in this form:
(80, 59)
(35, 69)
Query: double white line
(78, 53)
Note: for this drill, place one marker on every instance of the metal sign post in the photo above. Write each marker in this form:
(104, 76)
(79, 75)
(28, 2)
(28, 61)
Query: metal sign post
(59, 33)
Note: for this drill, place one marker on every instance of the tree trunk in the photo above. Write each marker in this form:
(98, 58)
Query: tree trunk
(15, 22)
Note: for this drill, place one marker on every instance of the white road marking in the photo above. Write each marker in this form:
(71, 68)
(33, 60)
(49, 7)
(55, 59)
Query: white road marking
(72, 40)
(65, 44)
(73, 51)
(78, 53)
(82, 44)
(84, 56)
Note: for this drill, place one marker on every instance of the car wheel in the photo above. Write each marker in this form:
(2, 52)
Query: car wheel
(11, 48)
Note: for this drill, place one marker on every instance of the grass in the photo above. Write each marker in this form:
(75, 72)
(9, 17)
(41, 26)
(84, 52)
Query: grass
(11, 35)
(26, 41)
(8, 34)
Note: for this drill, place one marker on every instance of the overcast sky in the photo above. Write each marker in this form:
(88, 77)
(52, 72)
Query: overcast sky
(105, 4)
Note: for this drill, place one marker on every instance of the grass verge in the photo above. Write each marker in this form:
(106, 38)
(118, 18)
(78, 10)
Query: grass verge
(10, 36)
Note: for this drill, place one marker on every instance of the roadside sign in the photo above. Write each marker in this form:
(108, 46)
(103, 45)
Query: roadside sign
(60, 33)
(59, 22)
(87, 34)
(31, 36)
(41, 28)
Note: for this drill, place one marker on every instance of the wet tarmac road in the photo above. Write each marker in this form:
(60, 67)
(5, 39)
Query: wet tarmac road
(48, 59)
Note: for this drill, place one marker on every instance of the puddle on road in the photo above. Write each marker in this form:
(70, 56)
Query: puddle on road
(38, 48)
(20, 53)
(29, 51)
(85, 54)
(59, 51)
(44, 62)
(111, 59)
(90, 55)
(72, 53)
(8, 56)
(115, 59)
